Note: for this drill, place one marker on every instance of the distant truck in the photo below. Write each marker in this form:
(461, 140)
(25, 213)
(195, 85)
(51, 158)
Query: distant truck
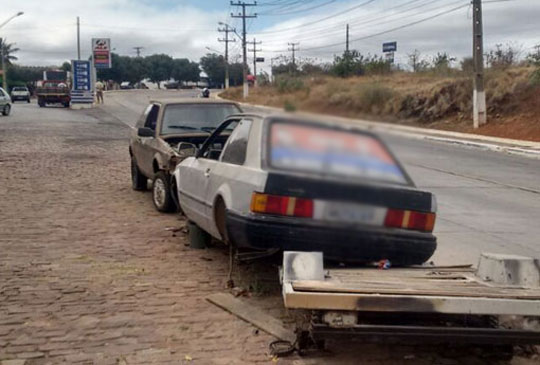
(54, 88)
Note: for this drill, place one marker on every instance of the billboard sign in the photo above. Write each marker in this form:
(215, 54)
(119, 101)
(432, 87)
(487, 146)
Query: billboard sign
(389, 47)
(81, 91)
(101, 52)
(260, 59)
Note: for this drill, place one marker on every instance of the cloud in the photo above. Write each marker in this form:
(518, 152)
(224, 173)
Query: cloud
(46, 33)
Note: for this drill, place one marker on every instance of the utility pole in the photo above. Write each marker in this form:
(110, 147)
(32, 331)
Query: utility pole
(78, 38)
(138, 50)
(479, 94)
(227, 40)
(255, 50)
(293, 49)
(244, 16)
(347, 49)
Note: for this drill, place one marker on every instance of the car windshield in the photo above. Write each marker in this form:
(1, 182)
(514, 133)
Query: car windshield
(330, 152)
(186, 118)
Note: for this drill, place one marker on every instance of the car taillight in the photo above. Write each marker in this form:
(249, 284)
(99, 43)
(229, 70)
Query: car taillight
(281, 205)
(408, 219)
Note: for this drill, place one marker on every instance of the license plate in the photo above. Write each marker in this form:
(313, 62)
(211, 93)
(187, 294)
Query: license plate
(353, 213)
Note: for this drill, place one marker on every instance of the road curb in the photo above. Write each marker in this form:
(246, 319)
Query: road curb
(505, 145)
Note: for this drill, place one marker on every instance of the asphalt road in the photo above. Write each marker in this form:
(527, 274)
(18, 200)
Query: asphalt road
(488, 201)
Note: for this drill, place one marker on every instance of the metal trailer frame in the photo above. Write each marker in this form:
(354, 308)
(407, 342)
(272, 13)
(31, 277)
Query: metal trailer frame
(363, 304)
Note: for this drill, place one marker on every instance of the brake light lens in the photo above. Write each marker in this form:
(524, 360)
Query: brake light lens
(281, 205)
(408, 219)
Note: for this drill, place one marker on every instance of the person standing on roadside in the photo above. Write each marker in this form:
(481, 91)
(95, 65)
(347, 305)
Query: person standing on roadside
(99, 92)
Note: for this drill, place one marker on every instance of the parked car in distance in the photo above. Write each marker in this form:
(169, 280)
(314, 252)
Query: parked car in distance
(126, 85)
(157, 144)
(172, 85)
(20, 93)
(5, 102)
(284, 182)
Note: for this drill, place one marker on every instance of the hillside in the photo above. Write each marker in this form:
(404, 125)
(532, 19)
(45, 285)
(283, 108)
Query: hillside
(424, 99)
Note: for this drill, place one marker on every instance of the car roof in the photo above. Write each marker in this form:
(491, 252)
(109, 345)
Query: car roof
(328, 121)
(179, 101)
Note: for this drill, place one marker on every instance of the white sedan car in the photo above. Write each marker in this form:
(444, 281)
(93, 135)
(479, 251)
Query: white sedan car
(306, 185)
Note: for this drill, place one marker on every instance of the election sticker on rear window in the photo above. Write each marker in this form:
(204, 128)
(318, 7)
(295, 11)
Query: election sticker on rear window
(311, 148)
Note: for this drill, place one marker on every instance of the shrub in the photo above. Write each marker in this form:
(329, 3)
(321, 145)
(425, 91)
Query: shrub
(535, 78)
(373, 97)
(289, 106)
(287, 84)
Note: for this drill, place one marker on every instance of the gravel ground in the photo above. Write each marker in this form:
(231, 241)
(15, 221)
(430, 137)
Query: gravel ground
(90, 272)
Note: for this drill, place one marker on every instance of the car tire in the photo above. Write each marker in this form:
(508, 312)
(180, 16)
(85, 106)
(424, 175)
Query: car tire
(28, 100)
(161, 193)
(138, 180)
(6, 110)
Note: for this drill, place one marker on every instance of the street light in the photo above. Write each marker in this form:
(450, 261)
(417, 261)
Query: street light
(4, 79)
(11, 18)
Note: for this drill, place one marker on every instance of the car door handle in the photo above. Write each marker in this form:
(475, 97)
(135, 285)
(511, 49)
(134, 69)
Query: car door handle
(207, 173)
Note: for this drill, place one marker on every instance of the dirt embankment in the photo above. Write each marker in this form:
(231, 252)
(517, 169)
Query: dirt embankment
(426, 100)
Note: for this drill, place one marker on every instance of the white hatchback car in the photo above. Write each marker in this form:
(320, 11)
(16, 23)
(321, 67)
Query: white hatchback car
(284, 182)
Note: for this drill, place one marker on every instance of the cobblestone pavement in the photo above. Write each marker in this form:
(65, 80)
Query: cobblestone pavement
(90, 274)
(88, 271)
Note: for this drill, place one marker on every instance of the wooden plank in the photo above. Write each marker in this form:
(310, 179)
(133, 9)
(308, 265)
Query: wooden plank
(407, 303)
(359, 288)
(252, 315)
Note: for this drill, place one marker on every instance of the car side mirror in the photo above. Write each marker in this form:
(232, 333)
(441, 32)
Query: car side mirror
(145, 132)
(186, 149)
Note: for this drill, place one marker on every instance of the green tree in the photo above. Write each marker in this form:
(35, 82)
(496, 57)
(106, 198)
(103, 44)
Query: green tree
(185, 70)
(349, 64)
(117, 72)
(66, 66)
(214, 66)
(134, 69)
(159, 68)
(8, 50)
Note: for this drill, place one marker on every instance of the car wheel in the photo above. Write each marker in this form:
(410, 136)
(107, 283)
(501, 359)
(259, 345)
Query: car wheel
(138, 180)
(6, 110)
(161, 193)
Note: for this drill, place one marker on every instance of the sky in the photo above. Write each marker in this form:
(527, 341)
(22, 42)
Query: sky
(46, 33)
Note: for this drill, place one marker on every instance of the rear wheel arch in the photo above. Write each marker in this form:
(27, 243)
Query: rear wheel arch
(220, 210)
(155, 166)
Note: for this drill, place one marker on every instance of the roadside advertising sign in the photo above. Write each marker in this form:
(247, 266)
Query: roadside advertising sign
(260, 59)
(101, 52)
(389, 47)
(81, 91)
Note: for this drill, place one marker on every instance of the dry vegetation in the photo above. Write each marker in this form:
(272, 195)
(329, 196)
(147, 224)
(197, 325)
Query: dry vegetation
(425, 99)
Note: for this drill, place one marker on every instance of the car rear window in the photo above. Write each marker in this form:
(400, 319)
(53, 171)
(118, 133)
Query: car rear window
(189, 118)
(19, 89)
(331, 152)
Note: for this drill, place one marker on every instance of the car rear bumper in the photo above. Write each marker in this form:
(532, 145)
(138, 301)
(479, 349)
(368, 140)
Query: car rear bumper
(338, 242)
